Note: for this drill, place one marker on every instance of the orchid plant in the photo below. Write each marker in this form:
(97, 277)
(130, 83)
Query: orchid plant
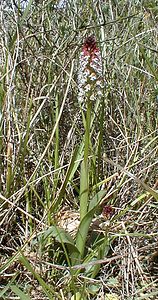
(90, 84)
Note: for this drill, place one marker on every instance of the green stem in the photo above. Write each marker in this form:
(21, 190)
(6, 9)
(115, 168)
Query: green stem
(87, 131)
(84, 179)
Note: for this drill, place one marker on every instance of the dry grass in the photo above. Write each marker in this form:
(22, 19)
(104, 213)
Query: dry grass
(42, 146)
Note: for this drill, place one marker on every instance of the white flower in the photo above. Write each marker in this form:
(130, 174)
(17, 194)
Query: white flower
(90, 71)
(99, 93)
(92, 98)
(87, 87)
(92, 76)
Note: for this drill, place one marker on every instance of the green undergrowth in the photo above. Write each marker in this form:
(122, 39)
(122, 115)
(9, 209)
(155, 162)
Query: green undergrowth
(58, 156)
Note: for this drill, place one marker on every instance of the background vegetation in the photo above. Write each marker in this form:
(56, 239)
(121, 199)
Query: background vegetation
(43, 139)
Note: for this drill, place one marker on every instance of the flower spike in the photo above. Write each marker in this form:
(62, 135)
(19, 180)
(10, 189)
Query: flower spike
(90, 80)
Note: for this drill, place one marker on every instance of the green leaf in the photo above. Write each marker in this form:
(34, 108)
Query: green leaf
(84, 188)
(20, 22)
(9, 262)
(149, 63)
(86, 221)
(19, 293)
(77, 296)
(46, 288)
(97, 199)
(61, 236)
(26, 12)
(66, 180)
(112, 281)
(7, 287)
(94, 288)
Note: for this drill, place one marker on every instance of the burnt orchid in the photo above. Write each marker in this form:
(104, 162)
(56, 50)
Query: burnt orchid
(90, 86)
(90, 81)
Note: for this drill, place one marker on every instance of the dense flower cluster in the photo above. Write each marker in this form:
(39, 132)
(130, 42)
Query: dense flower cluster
(90, 81)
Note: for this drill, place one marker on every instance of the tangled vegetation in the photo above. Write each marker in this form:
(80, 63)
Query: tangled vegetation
(78, 159)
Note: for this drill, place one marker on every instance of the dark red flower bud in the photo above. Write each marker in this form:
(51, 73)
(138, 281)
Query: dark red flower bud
(107, 211)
